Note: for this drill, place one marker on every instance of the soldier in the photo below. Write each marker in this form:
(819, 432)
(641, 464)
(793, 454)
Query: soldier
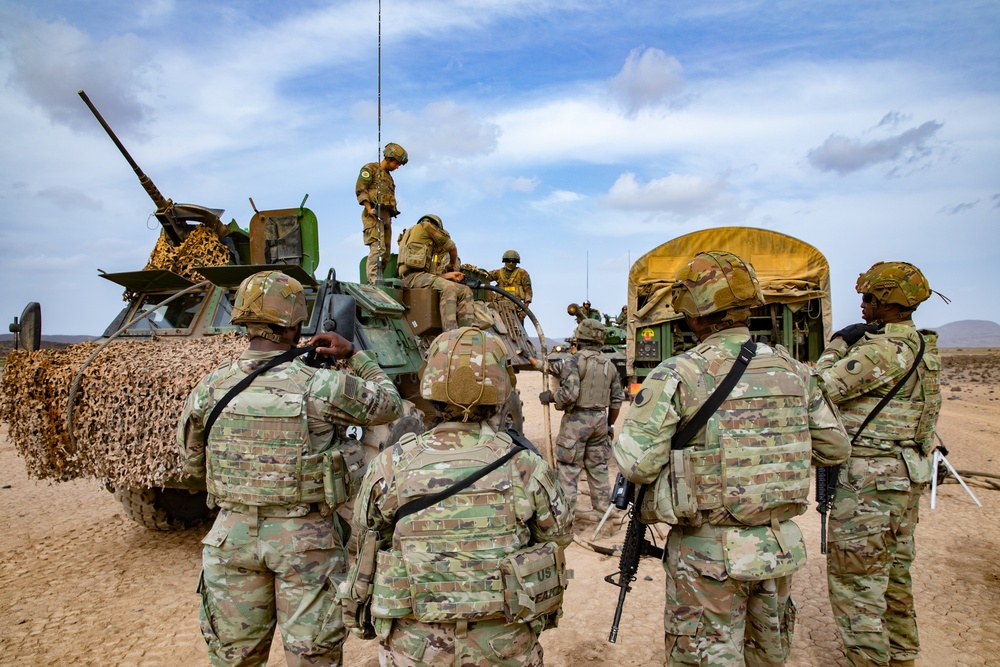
(419, 246)
(274, 463)
(512, 278)
(621, 320)
(446, 585)
(731, 493)
(377, 193)
(585, 312)
(590, 395)
(875, 509)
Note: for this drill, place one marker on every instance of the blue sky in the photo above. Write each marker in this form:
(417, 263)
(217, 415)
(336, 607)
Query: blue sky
(582, 134)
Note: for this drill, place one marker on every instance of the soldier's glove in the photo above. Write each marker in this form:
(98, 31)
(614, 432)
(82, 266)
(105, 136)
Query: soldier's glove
(545, 397)
(852, 333)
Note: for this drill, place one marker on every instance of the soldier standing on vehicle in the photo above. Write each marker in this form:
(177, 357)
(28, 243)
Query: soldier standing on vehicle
(622, 318)
(590, 395)
(377, 194)
(276, 463)
(444, 585)
(875, 510)
(731, 492)
(512, 278)
(420, 246)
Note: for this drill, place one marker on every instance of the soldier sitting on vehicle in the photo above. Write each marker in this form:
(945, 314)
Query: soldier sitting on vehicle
(419, 246)
(514, 279)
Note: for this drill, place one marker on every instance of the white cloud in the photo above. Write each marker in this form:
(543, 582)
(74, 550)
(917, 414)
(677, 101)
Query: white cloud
(674, 193)
(649, 77)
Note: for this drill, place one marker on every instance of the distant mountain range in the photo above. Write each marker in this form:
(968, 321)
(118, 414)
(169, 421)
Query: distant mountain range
(964, 333)
(969, 333)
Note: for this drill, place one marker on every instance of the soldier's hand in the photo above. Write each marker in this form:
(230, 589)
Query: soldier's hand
(454, 276)
(545, 397)
(852, 333)
(330, 344)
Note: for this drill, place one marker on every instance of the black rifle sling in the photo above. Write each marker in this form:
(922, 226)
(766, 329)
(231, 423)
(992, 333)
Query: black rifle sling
(426, 501)
(245, 382)
(720, 394)
(892, 392)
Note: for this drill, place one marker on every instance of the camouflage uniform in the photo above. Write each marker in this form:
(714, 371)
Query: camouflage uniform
(375, 185)
(443, 591)
(875, 509)
(585, 312)
(276, 550)
(455, 299)
(584, 437)
(733, 548)
(517, 282)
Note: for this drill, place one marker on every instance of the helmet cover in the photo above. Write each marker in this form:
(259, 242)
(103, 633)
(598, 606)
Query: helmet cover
(395, 152)
(270, 297)
(715, 281)
(895, 282)
(467, 367)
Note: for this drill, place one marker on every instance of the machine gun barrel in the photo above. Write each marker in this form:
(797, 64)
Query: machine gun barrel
(176, 230)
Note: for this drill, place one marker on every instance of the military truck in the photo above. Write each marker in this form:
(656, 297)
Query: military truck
(793, 275)
(107, 409)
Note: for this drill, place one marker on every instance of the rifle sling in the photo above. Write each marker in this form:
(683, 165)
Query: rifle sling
(892, 392)
(245, 382)
(426, 501)
(720, 394)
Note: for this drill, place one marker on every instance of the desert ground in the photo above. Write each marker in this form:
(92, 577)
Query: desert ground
(82, 585)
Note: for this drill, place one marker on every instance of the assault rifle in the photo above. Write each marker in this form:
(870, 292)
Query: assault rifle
(826, 487)
(635, 547)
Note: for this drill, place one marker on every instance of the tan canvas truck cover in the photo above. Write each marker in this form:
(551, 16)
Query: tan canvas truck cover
(790, 272)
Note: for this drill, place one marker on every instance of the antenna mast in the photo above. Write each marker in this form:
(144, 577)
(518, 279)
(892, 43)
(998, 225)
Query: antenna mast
(378, 156)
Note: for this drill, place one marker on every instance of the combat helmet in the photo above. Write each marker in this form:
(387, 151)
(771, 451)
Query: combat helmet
(395, 152)
(715, 281)
(270, 297)
(895, 282)
(465, 368)
(511, 256)
(589, 331)
(433, 219)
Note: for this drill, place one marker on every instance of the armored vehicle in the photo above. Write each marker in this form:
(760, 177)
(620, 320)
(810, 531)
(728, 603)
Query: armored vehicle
(614, 341)
(793, 275)
(108, 409)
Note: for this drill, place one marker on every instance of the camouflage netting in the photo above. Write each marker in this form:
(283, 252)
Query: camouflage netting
(202, 247)
(125, 410)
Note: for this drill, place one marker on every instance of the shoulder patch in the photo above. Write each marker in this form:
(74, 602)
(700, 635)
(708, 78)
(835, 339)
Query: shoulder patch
(366, 174)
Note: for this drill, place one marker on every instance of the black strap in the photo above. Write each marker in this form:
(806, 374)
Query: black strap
(720, 394)
(285, 357)
(892, 392)
(426, 501)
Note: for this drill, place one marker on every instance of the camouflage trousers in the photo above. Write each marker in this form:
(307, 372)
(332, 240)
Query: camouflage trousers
(454, 299)
(284, 572)
(712, 619)
(871, 547)
(371, 235)
(409, 643)
(583, 443)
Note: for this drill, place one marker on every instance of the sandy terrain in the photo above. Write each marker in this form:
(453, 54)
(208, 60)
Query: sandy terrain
(82, 585)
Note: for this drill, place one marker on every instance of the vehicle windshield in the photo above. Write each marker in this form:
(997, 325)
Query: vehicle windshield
(178, 314)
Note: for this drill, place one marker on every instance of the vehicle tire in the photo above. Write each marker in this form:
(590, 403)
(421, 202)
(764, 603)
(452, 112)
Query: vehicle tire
(164, 509)
(512, 416)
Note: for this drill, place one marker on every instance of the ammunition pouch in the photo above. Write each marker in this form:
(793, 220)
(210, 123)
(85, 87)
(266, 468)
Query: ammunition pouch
(415, 255)
(534, 580)
(355, 593)
(335, 476)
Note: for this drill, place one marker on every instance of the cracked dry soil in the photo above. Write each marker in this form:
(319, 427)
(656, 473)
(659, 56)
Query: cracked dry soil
(82, 585)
